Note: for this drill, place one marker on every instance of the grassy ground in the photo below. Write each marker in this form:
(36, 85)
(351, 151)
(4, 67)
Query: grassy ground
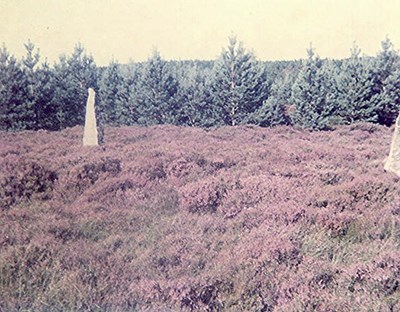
(230, 219)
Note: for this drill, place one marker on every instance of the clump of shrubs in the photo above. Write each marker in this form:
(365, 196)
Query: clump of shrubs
(26, 180)
(85, 176)
(230, 219)
(206, 296)
(204, 196)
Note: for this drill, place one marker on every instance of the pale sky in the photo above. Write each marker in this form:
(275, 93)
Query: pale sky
(198, 29)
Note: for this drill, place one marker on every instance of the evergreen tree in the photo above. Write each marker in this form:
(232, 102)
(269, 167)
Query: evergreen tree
(125, 111)
(312, 95)
(387, 60)
(355, 89)
(194, 94)
(45, 110)
(73, 76)
(390, 99)
(39, 89)
(155, 96)
(109, 84)
(29, 65)
(386, 64)
(239, 87)
(16, 111)
(273, 112)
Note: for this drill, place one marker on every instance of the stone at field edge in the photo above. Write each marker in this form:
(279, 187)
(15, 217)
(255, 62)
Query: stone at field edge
(392, 163)
(90, 134)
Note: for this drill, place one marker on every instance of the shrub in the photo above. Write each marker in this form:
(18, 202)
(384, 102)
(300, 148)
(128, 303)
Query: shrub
(203, 196)
(81, 178)
(27, 180)
(228, 219)
(205, 296)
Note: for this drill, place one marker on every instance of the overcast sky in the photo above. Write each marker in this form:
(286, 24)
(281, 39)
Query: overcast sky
(198, 29)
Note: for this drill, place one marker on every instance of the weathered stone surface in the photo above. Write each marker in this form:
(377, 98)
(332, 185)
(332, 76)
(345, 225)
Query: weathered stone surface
(90, 134)
(392, 163)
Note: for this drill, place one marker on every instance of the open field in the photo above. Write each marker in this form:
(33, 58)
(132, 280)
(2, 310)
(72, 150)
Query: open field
(170, 218)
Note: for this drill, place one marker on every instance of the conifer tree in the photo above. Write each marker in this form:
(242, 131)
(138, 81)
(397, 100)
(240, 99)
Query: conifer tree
(390, 99)
(312, 95)
(239, 87)
(125, 110)
(355, 89)
(29, 65)
(387, 62)
(39, 88)
(109, 84)
(45, 110)
(194, 94)
(273, 112)
(155, 96)
(16, 111)
(73, 76)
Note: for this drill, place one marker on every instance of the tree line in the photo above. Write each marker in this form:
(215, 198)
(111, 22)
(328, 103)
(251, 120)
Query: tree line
(234, 89)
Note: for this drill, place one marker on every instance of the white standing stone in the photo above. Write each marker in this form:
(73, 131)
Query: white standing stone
(392, 163)
(90, 134)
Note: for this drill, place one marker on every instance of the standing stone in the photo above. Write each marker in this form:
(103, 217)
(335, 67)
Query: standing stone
(392, 163)
(90, 134)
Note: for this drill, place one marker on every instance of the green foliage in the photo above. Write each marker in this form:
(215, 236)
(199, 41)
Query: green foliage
(29, 66)
(390, 101)
(387, 60)
(40, 89)
(194, 95)
(273, 112)
(16, 109)
(125, 111)
(355, 89)
(73, 76)
(239, 85)
(154, 98)
(45, 110)
(109, 86)
(387, 89)
(234, 89)
(312, 95)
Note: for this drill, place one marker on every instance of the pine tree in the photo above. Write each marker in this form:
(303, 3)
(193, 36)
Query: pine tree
(154, 99)
(73, 76)
(239, 87)
(387, 60)
(386, 64)
(16, 111)
(194, 94)
(390, 99)
(312, 95)
(109, 84)
(29, 65)
(273, 112)
(355, 89)
(125, 111)
(45, 110)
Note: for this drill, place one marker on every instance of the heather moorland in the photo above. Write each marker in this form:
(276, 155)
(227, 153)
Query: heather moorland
(170, 218)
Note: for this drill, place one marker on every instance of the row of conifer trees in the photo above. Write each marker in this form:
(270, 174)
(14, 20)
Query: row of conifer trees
(234, 89)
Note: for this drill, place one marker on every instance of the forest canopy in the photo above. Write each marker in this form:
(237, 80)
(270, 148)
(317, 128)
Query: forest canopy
(234, 89)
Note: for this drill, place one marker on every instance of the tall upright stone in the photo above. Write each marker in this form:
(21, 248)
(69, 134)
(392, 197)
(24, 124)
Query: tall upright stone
(392, 163)
(90, 134)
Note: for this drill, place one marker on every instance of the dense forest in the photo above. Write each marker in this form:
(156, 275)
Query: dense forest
(234, 89)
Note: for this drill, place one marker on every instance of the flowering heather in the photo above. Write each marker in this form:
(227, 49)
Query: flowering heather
(183, 219)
